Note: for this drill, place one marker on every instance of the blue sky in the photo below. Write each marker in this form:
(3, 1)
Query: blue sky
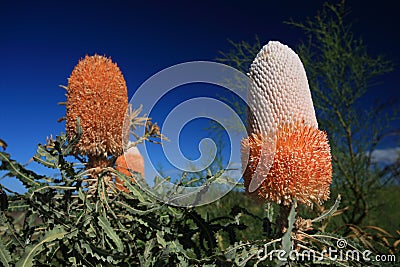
(41, 42)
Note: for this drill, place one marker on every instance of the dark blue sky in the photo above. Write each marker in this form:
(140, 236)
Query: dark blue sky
(41, 42)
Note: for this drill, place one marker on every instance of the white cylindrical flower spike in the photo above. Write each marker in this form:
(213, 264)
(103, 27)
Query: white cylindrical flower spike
(285, 156)
(279, 90)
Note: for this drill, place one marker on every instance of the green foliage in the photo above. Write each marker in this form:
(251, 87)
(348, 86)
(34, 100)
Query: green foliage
(387, 202)
(330, 212)
(68, 221)
(5, 256)
(241, 55)
(25, 176)
(63, 222)
(31, 251)
(286, 238)
(340, 72)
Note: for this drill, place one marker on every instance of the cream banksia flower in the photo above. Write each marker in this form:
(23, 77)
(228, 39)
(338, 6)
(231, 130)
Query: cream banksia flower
(97, 94)
(285, 156)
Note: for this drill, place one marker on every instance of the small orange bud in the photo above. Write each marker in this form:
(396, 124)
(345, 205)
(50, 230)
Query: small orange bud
(131, 160)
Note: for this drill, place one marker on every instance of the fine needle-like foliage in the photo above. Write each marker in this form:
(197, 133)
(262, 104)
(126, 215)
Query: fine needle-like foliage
(341, 72)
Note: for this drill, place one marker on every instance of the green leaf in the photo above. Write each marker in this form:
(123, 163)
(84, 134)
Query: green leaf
(27, 177)
(330, 211)
(82, 196)
(286, 238)
(204, 228)
(132, 188)
(106, 226)
(99, 254)
(49, 160)
(32, 250)
(161, 239)
(5, 256)
(147, 259)
(136, 211)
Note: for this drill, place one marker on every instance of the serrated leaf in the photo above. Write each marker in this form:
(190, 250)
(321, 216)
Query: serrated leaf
(146, 259)
(5, 256)
(136, 211)
(27, 177)
(106, 226)
(203, 228)
(132, 189)
(87, 248)
(242, 258)
(99, 254)
(161, 239)
(49, 160)
(81, 195)
(32, 250)
(83, 198)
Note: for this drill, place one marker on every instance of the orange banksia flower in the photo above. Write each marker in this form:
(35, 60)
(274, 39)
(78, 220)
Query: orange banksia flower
(301, 167)
(285, 155)
(131, 160)
(97, 94)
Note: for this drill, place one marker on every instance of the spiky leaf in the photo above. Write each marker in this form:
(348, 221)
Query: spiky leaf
(106, 226)
(27, 177)
(32, 250)
(45, 158)
(5, 256)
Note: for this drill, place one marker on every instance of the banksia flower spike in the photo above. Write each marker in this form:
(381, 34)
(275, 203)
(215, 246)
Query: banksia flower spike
(131, 160)
(97, 94)
(285, 156)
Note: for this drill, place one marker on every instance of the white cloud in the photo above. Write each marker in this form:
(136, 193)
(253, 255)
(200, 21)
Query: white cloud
(386, 156)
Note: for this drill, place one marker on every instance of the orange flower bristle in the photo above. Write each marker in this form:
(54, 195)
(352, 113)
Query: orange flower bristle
(301, 167)
(97, 94)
